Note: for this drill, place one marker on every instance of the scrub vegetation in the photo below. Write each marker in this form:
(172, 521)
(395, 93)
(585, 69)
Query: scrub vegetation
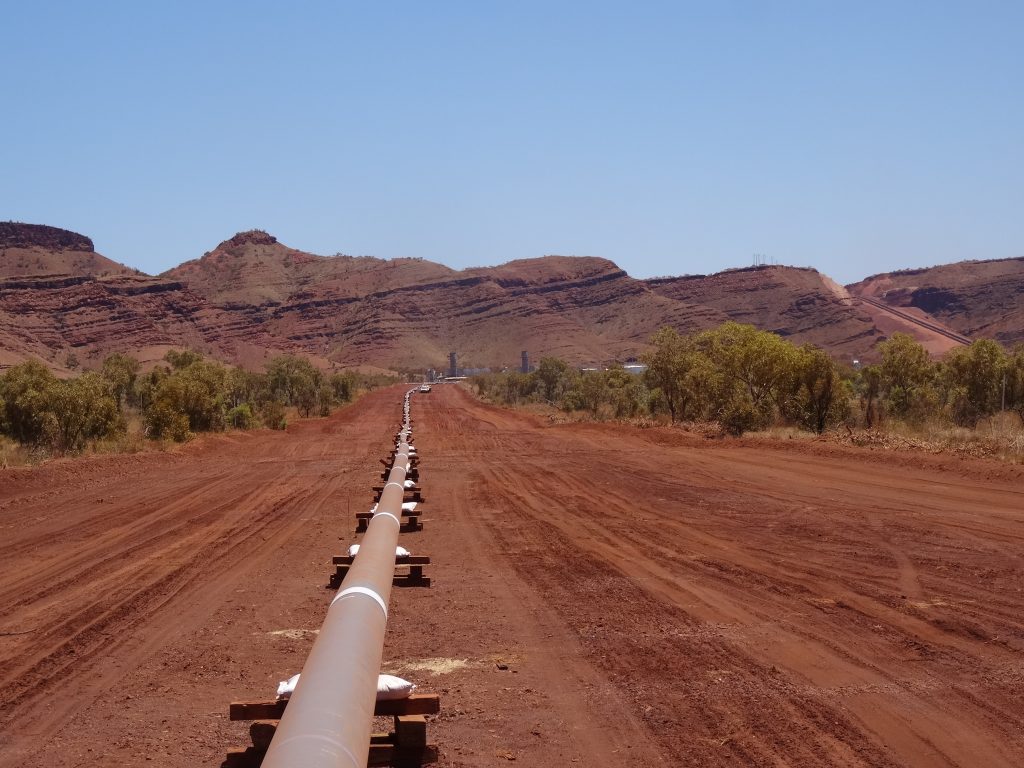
(746, 380)
(119, 405)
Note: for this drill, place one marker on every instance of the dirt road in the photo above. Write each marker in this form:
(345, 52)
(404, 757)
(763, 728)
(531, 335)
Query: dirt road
(602, 595)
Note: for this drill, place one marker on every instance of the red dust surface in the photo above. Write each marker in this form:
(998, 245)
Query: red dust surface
(602, 595)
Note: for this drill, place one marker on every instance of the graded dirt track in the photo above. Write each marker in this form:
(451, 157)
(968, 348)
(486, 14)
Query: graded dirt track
(602, 595)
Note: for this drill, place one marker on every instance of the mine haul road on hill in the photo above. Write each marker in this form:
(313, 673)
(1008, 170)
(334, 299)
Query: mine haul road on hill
(603, 595)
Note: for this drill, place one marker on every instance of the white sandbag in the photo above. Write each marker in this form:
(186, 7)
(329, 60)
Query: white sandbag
(285, 687)
(390, 688)
(410, 483)
(399, 551)
(409, 506)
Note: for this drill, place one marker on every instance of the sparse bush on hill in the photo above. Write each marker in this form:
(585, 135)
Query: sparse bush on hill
(173, 402)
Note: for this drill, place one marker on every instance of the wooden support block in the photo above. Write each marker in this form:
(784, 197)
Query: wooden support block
(410, 731)
(414, 578)
(410, 494)
(390, 755)
(382, 753)
(406, 747)
(416, 704)
(368, 515)
(261, 732)
(257, 710)
(405, 581)
(249, 757)
(410, 560)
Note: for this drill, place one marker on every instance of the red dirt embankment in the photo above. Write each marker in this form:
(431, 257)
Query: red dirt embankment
(602, 595)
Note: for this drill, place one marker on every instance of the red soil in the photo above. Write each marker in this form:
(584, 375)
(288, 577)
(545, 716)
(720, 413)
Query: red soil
(656, 599)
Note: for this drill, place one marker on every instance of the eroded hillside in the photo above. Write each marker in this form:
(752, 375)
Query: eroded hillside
(252, 297)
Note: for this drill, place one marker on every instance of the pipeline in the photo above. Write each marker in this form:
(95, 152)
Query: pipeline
(951, 335)
(329, 717)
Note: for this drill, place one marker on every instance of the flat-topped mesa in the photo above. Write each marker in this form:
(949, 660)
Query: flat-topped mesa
(14, 234)
(249, 237)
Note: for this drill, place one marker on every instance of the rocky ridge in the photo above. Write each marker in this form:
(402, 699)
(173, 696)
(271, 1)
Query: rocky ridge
(975, 298)
(252, 296)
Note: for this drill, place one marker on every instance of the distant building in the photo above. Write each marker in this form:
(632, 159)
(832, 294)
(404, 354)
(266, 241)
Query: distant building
(635, 368)
(453, 365)
(526, 362)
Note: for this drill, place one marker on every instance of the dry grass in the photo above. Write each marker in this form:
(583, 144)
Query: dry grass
(998, 437)
(13, 454)
(131, 440)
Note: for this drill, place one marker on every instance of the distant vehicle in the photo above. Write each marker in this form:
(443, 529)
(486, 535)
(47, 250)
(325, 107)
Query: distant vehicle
(424, 387)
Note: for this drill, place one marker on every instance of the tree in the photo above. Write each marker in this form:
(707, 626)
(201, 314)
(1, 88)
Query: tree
(241, 417)
(82, 409)
(294, 381)
(343, 385)
(551, 373)
(120, 372)
(907, 374)
(242, 386)
(593, 391)
(871, 388)
(818, 397)
(625, 392)
(197, 393)
(182, 358)
(1015, 381)
(751, 370)
(677, 369)
(324, 399)
(25, 391)
(974, 380)
(758, 361)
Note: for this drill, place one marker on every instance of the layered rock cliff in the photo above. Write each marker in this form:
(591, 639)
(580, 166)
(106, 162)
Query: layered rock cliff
(252, 297)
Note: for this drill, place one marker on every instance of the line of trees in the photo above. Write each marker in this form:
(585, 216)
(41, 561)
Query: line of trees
(189, 394)
(745, 379)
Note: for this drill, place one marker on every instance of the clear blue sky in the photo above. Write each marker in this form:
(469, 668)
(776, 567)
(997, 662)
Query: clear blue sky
(671, 137)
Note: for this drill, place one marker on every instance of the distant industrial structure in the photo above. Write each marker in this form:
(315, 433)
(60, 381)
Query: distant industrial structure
(525, 367)
(453, 365)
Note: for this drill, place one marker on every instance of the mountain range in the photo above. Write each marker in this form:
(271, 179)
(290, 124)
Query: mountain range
(252, 297)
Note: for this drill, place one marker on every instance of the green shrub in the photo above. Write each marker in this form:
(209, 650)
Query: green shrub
(272, 414)
(241, 417)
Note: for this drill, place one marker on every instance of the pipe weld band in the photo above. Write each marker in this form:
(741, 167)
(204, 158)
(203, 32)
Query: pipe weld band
(399, 485)
(378, 514)
(363, 591)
